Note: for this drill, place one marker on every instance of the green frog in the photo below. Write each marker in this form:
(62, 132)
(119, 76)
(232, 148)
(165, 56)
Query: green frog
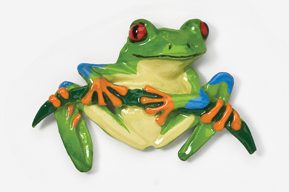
(149, 97)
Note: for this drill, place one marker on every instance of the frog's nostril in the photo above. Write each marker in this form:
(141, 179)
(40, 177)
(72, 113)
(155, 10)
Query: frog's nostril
(188, 45)
(170, 46)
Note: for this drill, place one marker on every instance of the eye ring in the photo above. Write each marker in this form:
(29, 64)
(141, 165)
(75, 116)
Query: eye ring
(204, 29)
(137, 32)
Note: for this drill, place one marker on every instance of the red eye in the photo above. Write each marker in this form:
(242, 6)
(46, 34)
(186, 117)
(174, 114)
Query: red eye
(137, 32)
(204, 29)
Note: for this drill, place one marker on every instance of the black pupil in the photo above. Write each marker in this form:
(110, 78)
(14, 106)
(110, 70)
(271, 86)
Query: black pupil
(134, 31)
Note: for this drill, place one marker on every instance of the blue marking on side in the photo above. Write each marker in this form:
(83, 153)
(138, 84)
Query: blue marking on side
(200, 102)
(85, 69)
(65, 84)
(223, 77)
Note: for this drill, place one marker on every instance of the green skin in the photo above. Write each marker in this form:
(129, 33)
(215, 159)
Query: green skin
(187, 44)
(184, 45)
(156, 45)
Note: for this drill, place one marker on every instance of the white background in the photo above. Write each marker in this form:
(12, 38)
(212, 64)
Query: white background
(41, 44)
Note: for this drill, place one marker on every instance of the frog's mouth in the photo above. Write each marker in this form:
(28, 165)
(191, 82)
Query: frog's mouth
(176, 57)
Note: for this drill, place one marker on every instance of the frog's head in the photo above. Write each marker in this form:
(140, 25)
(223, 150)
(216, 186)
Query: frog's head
(145, 41)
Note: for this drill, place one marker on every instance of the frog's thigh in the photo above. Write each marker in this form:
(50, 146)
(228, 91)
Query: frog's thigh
(174, 132)
(113, 128)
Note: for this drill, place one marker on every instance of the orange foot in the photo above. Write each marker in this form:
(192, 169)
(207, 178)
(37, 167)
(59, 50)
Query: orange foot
(63, 92)
(220, 124)
(100, 86)
(166, 107)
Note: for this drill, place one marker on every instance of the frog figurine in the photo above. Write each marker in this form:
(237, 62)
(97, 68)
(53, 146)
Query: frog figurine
(149, 97)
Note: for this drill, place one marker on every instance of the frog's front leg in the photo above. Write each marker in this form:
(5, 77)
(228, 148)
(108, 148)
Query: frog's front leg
(99, 85)
(166, 107)
(174, 101)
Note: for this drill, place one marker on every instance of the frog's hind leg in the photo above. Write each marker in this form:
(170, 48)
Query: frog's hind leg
(201, 134)
(90, 71)
(63, 92)
(75, 136)
(204, 131)
(73, 131)
(67, 84)
(220, 86)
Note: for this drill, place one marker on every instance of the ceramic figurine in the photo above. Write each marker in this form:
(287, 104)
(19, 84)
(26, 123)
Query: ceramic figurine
(149, 97)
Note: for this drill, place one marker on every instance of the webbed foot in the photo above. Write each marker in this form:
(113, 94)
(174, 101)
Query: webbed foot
(101, 86)
(166, 107)
(221, 123)
(63, 92)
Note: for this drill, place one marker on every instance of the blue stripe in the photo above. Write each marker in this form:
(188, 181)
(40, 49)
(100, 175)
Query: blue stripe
(65, 84)
(223, 77)
(200, 102)
(85, 69)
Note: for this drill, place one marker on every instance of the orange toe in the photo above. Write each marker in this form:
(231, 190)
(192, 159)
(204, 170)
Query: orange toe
(55, 101)
(63, 92)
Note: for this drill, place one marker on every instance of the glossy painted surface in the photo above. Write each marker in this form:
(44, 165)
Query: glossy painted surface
(149, 97)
